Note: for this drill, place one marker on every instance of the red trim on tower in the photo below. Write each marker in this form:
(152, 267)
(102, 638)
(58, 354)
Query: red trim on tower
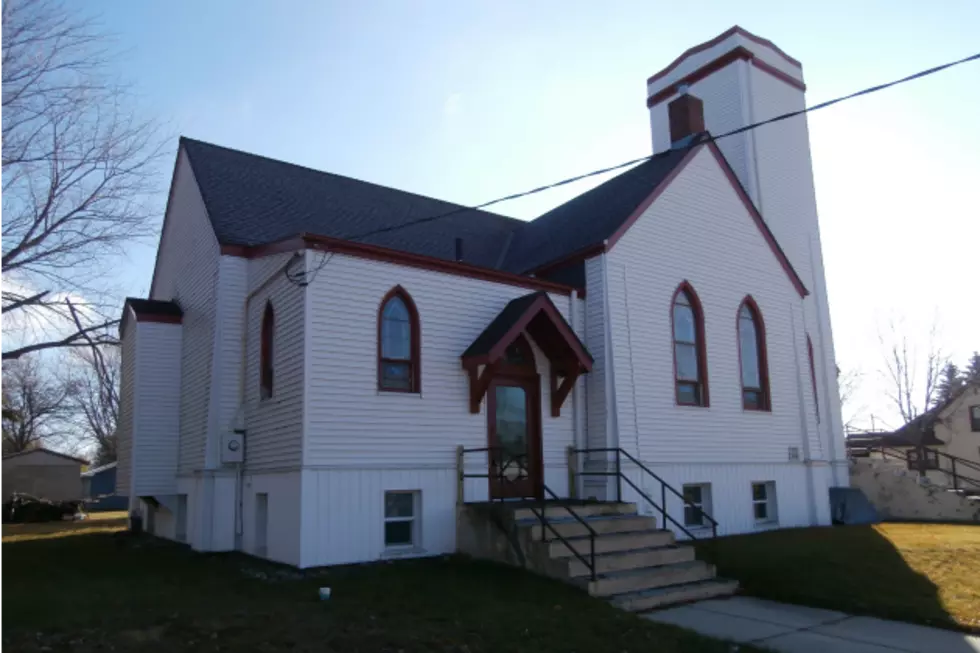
(715, 41)
(736, 54)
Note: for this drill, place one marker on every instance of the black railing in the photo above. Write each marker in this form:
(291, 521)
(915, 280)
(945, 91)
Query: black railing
(921, 459)
(501, 463)
(664, 489)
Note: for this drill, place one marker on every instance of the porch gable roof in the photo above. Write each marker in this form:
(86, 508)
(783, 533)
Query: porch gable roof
(538, 315)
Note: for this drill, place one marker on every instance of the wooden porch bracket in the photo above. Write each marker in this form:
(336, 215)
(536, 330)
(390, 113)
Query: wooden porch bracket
(479, 384)
(560, 392)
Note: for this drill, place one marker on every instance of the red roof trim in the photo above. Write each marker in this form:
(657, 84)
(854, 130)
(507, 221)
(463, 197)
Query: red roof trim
(715, 41)
(743, 196)
(539, 305)
(736, 54)
(384, 254)
(651, 198)
(759, 222)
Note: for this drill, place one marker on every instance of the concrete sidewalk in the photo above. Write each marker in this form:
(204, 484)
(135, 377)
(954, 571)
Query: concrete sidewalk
(797, 629)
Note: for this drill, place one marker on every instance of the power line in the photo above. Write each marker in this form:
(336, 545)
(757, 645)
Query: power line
(625, 164)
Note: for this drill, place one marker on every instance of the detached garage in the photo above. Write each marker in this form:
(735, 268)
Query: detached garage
(43, 473)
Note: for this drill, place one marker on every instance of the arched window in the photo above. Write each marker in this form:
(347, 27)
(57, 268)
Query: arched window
(398, 343)
(813, 375)
(267, 352)
(752, 356)
(690, 361)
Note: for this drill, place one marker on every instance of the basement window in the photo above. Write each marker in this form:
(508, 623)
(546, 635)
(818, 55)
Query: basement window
(764, 502)
(401, 519)
(697, 503)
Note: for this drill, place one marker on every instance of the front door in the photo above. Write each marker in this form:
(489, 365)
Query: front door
(513, 413)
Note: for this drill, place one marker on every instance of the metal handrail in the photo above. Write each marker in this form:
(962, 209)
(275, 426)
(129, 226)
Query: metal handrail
(920, 461)
(664, 487)
(590, 563)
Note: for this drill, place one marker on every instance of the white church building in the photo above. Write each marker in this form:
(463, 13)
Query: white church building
(318, 356)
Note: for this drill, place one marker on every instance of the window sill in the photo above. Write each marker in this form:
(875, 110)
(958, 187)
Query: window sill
(392, 552)
(391, 391)
(680, 405)
(767, 525)
(756, 410)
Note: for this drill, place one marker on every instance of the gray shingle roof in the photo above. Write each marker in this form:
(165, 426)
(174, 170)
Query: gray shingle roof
(590, 218)
(253, 200)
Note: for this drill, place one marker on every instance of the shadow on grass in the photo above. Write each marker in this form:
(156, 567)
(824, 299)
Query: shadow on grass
(114, 592)
(853, 569)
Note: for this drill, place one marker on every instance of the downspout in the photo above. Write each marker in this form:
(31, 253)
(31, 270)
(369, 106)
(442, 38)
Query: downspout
(241, 428)
(579, 438)
(801, 401)
(820, 292)
(612, 431)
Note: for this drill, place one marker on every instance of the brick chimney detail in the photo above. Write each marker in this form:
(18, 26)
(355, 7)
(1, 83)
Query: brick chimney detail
(686, 117)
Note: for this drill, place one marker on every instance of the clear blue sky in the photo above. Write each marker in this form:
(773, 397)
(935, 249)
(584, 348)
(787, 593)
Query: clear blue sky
(467, 101)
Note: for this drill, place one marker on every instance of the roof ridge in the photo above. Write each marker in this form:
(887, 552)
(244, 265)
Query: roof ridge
(187, 139)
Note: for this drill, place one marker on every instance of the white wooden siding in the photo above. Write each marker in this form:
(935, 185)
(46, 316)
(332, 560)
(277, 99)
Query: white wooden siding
(351, 423)
(283, 515)
(788, 202)
(275, 425)
(156, 422)
(226, 354)
(773, 163)
(699, 231)
(731, 494)
(343, 516)
(361, 442)
(127, 400)
(187, 272)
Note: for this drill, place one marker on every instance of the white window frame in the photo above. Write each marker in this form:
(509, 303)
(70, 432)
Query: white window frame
(415, 519)
(772, 515)
(704, 505)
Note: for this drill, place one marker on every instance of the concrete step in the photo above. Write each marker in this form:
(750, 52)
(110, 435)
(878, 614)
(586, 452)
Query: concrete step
(600, 524)
(663, 596)
(558, 511)
(635, 580)
(636, 559)
(611, 542)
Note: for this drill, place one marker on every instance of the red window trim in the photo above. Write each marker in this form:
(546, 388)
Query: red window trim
(813, 376)
(267, 352)
(700, 345)
(415, 362)
(760, 347)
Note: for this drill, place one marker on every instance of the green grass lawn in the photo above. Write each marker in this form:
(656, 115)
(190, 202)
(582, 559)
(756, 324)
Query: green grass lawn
(84, 587)
(925, 573)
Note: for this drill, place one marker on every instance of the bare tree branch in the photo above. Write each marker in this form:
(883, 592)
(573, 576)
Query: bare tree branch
(34, 406)
(848, 383)
(77, 169)
(906, 374)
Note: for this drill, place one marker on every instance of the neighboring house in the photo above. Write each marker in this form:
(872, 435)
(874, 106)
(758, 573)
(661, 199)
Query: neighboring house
(99, 489)
(43, 473)
(951, 428)
(314, 348)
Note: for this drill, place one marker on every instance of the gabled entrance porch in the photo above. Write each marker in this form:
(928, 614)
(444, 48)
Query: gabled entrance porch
(502, 368)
